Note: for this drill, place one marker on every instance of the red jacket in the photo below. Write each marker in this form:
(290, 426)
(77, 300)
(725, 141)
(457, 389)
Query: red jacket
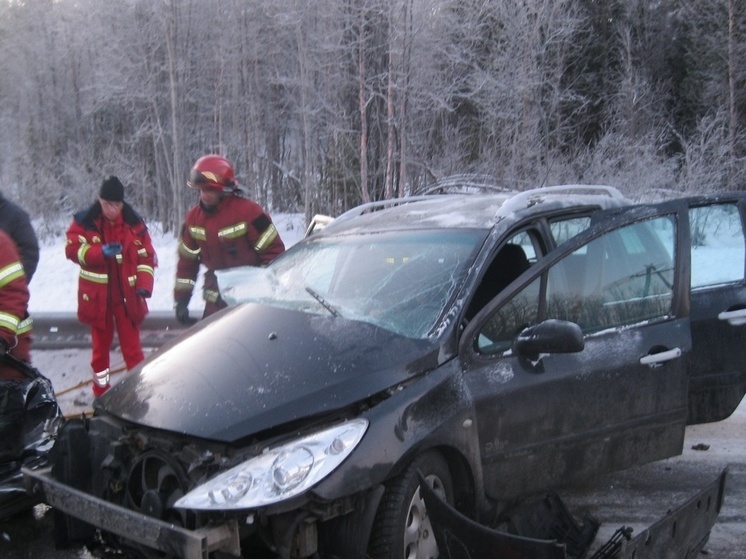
(104, 282)
(236, 233)
(14, 295)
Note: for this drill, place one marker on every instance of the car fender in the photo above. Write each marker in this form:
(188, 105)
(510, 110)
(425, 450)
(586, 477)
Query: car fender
(434, 411)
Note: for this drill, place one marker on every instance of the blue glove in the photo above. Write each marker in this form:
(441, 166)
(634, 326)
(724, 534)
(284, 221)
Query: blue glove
(110, 250)
(144, 293)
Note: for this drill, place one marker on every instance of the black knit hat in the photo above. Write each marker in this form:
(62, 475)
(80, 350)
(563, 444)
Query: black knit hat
(112, 190)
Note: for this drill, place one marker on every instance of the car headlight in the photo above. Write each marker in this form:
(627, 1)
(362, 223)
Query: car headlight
(279, 473)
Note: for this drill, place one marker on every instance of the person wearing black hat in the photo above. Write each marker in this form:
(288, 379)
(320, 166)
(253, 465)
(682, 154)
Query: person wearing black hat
(111, 244)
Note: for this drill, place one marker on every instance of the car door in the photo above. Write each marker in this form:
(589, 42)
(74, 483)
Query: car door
(718, 307)
(598, 381)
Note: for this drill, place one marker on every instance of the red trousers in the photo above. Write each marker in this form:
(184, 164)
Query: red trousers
(129, 340)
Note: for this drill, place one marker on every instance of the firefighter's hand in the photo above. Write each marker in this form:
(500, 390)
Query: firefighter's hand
(182, 313)
(144, 293)
(110, 250)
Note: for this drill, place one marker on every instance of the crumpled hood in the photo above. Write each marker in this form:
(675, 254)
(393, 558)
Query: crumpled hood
(254, 367)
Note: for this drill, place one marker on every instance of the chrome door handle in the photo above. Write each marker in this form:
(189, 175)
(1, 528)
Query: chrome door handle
(734, 318)
(662, 357)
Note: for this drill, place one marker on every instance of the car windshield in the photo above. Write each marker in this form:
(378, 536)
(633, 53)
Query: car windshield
(401, 281)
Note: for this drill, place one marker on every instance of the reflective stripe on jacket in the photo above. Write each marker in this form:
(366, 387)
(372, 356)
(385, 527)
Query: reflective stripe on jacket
(14, 294)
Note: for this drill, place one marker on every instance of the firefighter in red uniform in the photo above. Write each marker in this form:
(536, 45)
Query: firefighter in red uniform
(222, 231)
(15, 322)
(15, 341)
(111, 243)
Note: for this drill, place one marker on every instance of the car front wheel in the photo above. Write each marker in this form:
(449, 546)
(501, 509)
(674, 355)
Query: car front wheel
(402, 529)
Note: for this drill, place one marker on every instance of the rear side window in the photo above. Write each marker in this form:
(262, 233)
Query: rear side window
(717, 245)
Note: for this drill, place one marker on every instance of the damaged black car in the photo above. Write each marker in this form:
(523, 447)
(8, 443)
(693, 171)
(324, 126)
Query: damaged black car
(496, 344)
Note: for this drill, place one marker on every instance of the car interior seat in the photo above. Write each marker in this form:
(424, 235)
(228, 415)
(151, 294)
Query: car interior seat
(509, 263)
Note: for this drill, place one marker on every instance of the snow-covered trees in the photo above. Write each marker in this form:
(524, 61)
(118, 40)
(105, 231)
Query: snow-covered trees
(322, 104)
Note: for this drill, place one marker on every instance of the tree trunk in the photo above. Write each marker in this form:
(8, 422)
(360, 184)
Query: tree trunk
(732, 107)
(363, 104)
(173, 80)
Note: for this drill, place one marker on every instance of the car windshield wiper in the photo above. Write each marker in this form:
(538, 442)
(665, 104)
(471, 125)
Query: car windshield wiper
(324, 303)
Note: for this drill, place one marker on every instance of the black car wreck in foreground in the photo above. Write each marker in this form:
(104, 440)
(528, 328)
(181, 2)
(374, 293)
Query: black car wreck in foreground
(29, 420)
(496, 344)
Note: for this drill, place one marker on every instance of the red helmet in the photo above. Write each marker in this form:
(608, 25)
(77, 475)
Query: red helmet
(214, 172)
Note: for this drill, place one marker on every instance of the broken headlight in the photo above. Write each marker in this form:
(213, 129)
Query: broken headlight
(279, 473)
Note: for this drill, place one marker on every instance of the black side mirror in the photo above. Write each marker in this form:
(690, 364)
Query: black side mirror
(550, 336)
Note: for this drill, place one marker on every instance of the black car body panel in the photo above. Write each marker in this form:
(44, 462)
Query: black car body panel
(718, 308)
(628, 412)
(254, 367)
(436, 411)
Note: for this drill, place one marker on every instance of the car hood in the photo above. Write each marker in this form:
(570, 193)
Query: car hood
(254, 367)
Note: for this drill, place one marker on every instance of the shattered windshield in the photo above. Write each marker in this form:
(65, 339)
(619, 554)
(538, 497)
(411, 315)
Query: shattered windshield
(401, 281)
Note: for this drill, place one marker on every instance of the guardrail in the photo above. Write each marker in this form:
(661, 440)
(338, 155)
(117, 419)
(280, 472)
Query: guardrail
(63, 330)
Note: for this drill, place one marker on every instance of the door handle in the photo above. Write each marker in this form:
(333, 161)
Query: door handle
(658, 358)
(734, 318)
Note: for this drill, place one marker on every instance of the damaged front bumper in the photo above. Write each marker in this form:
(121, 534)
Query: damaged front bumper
(132, 525)
(683, 532)
(549, 532)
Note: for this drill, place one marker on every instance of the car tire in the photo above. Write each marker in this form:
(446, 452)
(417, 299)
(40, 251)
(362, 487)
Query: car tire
(402, 529)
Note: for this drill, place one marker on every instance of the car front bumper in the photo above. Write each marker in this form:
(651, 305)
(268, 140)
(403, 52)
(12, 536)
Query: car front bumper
(129, 524)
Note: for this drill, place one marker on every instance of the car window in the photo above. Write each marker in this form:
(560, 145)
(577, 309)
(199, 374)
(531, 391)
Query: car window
(525, 241)
(567, 228)
(513, 258)
(623, 277)
(717, 245)
(617, 279)
(520, 311)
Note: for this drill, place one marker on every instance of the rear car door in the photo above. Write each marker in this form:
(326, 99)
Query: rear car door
(566, 412)
(718, 306)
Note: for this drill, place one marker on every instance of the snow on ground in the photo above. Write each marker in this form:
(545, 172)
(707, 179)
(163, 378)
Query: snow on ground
(54, 288)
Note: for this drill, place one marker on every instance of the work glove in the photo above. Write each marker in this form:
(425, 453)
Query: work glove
(144, 293)
(182, 313)
(110, 250)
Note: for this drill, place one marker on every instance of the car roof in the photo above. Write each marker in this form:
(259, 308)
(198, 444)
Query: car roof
(470, 211)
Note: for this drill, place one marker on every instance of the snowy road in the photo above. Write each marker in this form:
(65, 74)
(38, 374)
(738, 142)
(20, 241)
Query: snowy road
(636, 497)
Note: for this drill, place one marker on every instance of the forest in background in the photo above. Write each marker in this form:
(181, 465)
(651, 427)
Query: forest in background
(325, 104)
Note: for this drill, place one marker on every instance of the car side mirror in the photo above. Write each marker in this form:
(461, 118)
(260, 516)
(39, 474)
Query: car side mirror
(550, 336)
